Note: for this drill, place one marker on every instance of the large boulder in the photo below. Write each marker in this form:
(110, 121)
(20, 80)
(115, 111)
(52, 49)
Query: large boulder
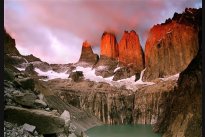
(76, 76)
(130, 50)
(8, 74)
(25, 99)
(45, 122)
(26, 83)
(171, 46)
(87, 57)
(30, 70)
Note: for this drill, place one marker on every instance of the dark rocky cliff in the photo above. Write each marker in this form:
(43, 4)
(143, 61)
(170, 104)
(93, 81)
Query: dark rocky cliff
(10, 45)
(183, 115)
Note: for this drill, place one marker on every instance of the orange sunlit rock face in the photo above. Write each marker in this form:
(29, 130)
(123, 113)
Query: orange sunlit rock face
(109, 46)
(87, 54)
(86, 44)
(169, 49)
(130, 50)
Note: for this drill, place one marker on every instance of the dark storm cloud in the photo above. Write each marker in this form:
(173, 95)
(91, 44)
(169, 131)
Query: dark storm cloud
(55, 29)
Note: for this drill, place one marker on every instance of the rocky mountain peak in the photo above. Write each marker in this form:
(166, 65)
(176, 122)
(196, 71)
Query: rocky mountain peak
(87, 56)
(133, 32)
(86, 44)
(190, 16)
(130, 50)
(172, 45)
(10, 45)
(109, 45)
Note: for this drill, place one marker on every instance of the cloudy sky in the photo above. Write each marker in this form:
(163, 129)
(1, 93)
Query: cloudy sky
(54, 30)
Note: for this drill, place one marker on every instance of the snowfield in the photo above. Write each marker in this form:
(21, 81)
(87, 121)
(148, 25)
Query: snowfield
(129, 83)
(52, 74)
(89, 74)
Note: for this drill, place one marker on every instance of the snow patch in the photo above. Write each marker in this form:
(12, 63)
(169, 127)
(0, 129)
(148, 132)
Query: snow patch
(140, 79)
(173, 77)
(89, 74)
(52, 74)
(66, 116)
(131, 84)
(117, 69)
(101, 67)
(26, 60)
(20, 69)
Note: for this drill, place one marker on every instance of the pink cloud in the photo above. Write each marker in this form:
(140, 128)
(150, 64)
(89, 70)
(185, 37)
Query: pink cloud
(71, 22)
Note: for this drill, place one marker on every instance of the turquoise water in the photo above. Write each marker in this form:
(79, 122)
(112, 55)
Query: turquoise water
(122, 131)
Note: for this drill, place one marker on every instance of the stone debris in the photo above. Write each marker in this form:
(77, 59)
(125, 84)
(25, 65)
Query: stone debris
(66, 116)
(29, 128)
(25, 99)
(12, 130)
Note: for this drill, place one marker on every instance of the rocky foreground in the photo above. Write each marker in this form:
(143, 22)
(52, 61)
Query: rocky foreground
(63, 100)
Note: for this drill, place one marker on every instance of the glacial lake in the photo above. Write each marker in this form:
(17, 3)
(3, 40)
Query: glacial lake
(122, 131)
